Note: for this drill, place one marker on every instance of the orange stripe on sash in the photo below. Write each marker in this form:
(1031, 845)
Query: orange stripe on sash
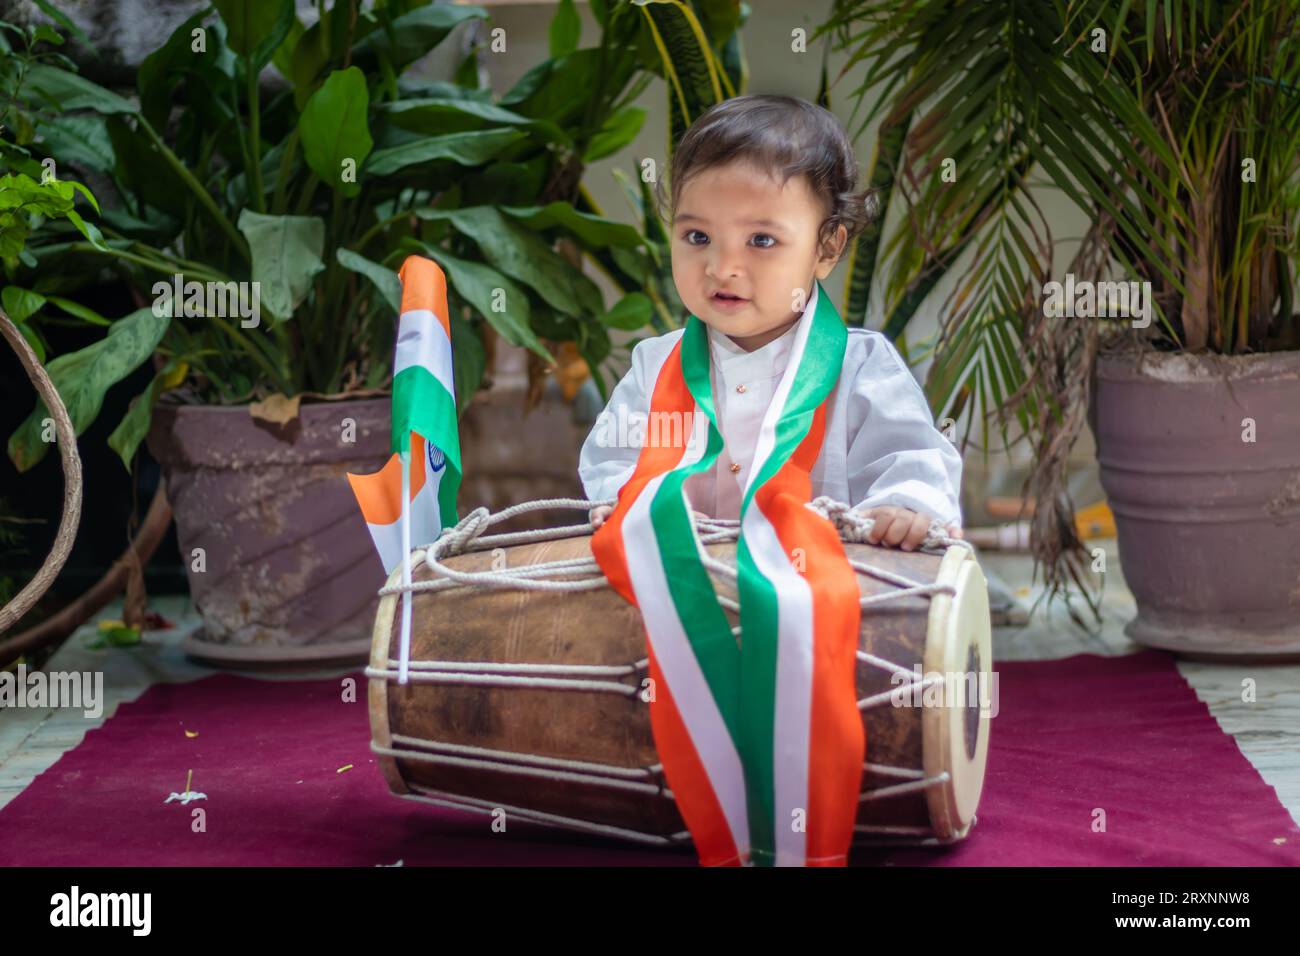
(693, 791)
(837, 737)
(670, 395)
(689, 781)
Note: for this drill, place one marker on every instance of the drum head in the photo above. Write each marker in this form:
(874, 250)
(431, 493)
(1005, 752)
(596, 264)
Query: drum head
(956, 734)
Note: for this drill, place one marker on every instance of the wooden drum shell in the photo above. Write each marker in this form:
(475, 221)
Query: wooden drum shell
(443, 729)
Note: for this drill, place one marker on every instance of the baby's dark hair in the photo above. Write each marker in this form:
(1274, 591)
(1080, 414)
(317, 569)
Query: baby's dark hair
(787, 137)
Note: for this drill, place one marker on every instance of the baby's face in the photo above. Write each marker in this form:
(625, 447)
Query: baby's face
(738, 231)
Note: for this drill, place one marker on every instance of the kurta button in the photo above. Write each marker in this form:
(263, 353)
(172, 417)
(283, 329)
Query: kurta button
(741, 388)
(735, 465)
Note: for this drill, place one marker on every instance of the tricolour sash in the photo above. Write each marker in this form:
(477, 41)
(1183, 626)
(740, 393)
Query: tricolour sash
(762, 744)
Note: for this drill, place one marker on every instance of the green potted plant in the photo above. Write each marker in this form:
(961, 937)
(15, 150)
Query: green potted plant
(260, 229)
(1175, 132)
(32, 201)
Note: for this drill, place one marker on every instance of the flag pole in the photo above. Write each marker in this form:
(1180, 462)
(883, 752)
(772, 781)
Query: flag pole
(406, 567)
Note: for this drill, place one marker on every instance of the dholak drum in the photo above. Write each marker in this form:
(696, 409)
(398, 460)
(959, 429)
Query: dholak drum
(531, 702)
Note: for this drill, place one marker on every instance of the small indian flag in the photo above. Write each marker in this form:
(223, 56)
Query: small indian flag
(414, 496)
(380, 498)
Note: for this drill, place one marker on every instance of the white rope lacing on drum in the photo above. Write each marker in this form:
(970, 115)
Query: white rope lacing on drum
(584, 574)
(468, 536)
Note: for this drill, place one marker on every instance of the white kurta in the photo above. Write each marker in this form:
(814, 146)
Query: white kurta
(880, 446)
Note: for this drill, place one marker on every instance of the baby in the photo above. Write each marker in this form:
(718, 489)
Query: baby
(763, 204)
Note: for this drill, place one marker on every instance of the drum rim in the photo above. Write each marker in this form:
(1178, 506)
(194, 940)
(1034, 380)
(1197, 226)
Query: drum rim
(942, 740)
(380, 731)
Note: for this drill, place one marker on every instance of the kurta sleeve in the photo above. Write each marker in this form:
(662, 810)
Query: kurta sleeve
(896, 456)
(607, 458)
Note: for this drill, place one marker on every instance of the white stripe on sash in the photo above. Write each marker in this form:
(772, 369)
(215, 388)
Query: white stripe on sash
(672, 648)
(794, 662)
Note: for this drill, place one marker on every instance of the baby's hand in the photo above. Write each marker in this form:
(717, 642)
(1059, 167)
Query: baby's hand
(899, 527)
(598, 514)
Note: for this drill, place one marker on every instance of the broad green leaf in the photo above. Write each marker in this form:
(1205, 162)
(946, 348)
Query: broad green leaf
(157, 229)
(49, 199)
(87, 229)
(134, 426)
(466, 149)
(565, 30)
(525, 256)
(505, 183)
(81, 140)
(561, 86)
(619, 130)
(414, 34)
(594, 345)
(502, 303)
(14, 231)
(83, 377)
(632, 312)
(62, 19)
(255, 27)
(20, 304)
(145, 172)
(169, 64)
(467, 74)
(237, 187)
(635, 264)
(595, 231)
(68, 91)
(18, 158)
(468, 361)
(385, 279)
(79, 310)
(333, 129)
(33, 337)
(286, 255)
(282, 59)
(529, 83)
(438, 116)
(310, 55)
(558, 90)
(78, 187)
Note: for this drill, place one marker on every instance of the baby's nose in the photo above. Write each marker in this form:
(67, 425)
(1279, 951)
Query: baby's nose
(724, 262)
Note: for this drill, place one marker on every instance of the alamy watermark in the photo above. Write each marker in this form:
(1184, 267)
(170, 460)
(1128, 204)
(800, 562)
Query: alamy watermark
(1087, 299)
(84, 691)
(624, 428)
(194, 299)
(75, 908)
(946, 689)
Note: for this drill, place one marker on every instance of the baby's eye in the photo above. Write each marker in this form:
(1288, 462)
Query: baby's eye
(764, 245)
(695, 232)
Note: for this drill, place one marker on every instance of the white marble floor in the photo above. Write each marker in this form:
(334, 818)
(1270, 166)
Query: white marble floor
(1266, 729)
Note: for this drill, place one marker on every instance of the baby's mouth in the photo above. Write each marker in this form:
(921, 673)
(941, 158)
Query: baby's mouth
(727, 297)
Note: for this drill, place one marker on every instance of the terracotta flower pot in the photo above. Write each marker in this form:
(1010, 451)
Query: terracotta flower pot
(290, 573)
(287, 572)
(1208, 519)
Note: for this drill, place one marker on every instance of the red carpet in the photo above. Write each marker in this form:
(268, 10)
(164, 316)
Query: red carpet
(1123, 734)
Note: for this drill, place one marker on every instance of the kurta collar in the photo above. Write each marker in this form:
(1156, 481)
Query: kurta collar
(734, 363)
